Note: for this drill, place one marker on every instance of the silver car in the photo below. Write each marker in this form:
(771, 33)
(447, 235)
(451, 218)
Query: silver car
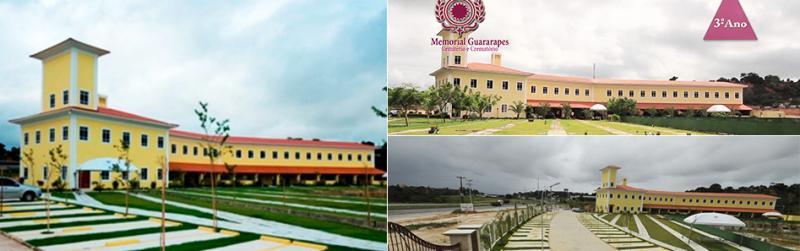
(14, 190)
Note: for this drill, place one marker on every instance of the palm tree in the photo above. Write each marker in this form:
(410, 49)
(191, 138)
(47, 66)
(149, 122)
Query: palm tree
(518, 107)
(215, 139)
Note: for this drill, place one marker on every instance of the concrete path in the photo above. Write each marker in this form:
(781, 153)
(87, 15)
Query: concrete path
(556, 129)
(88, 229)
(8, 244)
(18, 223)
(604, 128)
(492, 130)
(239, 223)
(640, 226)
(411, 131)
(567, 233)
(615, 219)
(681, 237)
(140, 241)
(533, 235)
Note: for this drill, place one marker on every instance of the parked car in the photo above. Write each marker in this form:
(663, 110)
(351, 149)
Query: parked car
(497, 203)
(14, 190)
(577, 209)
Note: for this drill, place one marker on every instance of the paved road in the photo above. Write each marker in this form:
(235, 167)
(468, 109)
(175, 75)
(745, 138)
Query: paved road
(405, 214)
(8, 244)
(567, 233)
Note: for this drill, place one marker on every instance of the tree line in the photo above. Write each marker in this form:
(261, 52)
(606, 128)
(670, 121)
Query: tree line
(10, 154)
(768, 91)
(425, 194)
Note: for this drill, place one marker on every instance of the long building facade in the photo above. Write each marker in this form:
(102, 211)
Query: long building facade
(536, 89)
(615, 197)
(76, 118)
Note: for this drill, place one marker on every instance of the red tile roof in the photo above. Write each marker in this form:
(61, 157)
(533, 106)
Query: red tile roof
(103, 111)
(270, 169)
(717, 209)
(743, 195)
(272, 141)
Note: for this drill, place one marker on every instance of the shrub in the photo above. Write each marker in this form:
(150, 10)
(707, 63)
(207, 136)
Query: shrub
(134, 183)
(153, 185)
(614, 117)
(98, 186)
(115, 185)
(622, 106)
(58, 185)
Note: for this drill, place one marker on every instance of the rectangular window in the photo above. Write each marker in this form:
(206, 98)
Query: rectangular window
(84, 98)
(349, 157)
(38, 137)
(663, 94)
(145, 140)
(358, 157)
(619, 93)
(308, 156)
(473, 83)
(488, 109)
(716, 94)
(577, 92)
(65, 133)
(263, 155)
(285, 155)
(319, 156)
(533, 89)
(25, 138)
(124, 175)
(143, 173)
(239, 154)
(630, 93)
(83, 133)
(727, 95)
(608, 93)
(457, 82)
(505, 85)
(555, 91)
(195, 151)
(63, 173)
(65, 97)
(250, 154)
(105, 136)
(330, 156)
(653, 94)
(736, 95)
(674, 94)
(52, 100)
(696, 94)
(641, 93)
(489, 84)
(185, 150)
(274, 154)
(126, 137)
(586, 92)
(25, 173)
(544, 89)
(707, 95)
(160, 142)
(340, 157)
(457, 59)
(160, 174)
(104, 175)
(566, 91)
(52, 135)
(45, 173)
(504, 108)
(174, 149)
(685, 94)
(519, 86)
(369, 157)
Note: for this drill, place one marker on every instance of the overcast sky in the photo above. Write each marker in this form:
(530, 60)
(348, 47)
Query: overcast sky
(629, 39)
(512, 164)
(274, 68)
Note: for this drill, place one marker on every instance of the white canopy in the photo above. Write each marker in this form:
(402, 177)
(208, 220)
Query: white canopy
(598, 107)
(103, 164)
(772, 214)
(714, 219)
(718, 108)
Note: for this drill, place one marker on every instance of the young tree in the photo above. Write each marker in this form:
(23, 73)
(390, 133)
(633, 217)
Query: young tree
(460, 101)
(485, 102)
(542, 110)
(444, 94)
(57, 159)
(123, 160)
(404, 98)
(566, 110)
(162, 163)
(428, 101)
(652, 112)
(622, 106)
(518, 107)
(215, 140)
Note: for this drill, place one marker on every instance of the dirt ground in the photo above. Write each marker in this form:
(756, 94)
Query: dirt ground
(434, 234)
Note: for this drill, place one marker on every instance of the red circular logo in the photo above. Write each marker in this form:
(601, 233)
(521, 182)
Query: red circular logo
(460, 16)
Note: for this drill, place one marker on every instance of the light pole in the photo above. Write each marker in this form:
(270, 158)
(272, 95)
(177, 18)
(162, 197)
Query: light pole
(541, 218)
(469, 186)
(461, 188)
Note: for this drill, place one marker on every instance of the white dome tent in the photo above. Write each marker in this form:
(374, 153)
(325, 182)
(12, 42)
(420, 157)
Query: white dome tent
(598, 107)
(718, 109)
(713, 219)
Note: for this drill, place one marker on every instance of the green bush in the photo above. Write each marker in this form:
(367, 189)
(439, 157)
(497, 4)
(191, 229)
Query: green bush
(727, 125)
(614, 117)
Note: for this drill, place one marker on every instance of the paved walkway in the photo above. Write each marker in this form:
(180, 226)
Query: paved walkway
(615, 219)
(618, 238)
(8, 244)
(604, 128)
(237, 222)
(681, 237)
(534, 235)
(492, 130)
(567, 233)
(640, 226)
(556, 129)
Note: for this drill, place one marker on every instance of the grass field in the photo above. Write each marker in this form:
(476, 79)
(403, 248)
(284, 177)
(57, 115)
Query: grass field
(656, 232)
(118, 199)
(697, 238)
(641, 130)
(574, 127)
(523, 127)
(419, 126)
(326, 226)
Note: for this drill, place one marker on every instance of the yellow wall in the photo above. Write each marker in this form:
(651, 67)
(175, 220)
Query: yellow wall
(179, 142)
(56, 79)
(86, 75)
(710, 201)
(507, 97)
(143, 157)
(601, 94)
(621, 201)
(40, 151)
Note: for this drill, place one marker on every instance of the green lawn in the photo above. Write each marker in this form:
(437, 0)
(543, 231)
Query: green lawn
(452, 127)
(106, 235)
(326, 226)
(399, 124)
(626, 220)
(118, 199)
(70, 224)
(695, 237)
(523, 127)
(609, 217)
(327, 192)
(64, 195)
(574, 127)
(640, 130)
(656, 232)
(292, 199)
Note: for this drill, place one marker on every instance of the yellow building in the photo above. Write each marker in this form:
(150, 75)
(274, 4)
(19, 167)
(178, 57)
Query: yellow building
(614, 197)
(78, 119)
(537, 89)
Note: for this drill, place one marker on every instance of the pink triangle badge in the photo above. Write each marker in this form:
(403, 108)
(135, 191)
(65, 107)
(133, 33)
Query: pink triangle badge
(730, 23)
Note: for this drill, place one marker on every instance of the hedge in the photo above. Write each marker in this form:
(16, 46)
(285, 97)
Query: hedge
(740, 126)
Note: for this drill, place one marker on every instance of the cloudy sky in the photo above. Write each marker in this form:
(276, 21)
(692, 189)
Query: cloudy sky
(628, 39)
(513, 164)
(274, 68)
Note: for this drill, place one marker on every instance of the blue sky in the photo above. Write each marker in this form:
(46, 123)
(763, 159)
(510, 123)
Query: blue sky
(307, 69)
